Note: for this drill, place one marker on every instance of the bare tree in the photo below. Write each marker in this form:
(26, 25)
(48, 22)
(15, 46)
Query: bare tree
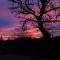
(27, 7)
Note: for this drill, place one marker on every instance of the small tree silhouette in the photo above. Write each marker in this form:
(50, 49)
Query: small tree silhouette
(1, 38)
(27, 7)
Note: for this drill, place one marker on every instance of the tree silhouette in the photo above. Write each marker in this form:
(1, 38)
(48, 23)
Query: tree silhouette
(41, 12)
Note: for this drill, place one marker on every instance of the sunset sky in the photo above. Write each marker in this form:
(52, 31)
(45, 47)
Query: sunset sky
(10, 25)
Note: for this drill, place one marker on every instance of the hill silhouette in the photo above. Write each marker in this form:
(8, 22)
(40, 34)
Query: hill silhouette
(30, 46)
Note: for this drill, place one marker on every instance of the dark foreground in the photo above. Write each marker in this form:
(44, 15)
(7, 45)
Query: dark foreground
(27, 48)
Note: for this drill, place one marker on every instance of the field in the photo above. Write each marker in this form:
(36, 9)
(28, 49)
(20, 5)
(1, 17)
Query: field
(31, 47)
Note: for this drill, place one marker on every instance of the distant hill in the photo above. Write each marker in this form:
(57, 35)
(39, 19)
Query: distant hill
(30, 46)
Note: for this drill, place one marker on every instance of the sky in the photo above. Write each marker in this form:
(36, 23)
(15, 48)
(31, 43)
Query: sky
(8, 21)
(11, 26)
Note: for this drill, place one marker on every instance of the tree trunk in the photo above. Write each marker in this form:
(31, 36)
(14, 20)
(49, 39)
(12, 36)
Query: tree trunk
(45, 33)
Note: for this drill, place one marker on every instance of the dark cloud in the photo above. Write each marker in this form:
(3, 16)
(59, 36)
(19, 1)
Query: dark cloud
(5, 23)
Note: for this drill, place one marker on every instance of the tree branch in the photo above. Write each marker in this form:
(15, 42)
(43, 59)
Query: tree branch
(51, 21)
(29, 7)
(27, 21)
(21, 5)
(39, 4)
(52, 9)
